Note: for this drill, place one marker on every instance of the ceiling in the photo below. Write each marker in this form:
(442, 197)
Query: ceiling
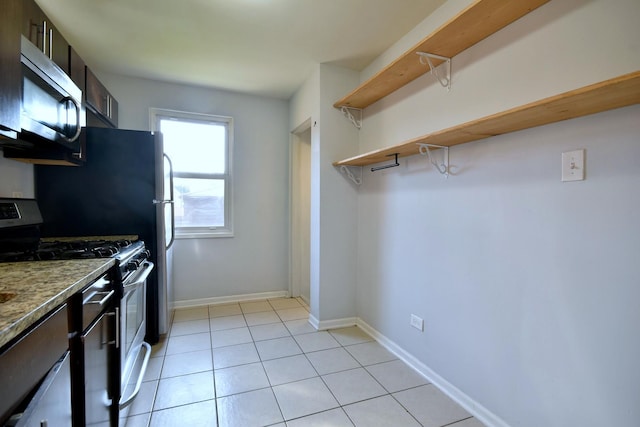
(262, 47)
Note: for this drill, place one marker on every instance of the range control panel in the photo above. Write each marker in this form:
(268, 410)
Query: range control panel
(9, 211)
(19, 212)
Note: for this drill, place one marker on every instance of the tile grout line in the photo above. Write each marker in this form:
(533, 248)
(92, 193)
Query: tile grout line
(456, 422)
(213, 372)
(341, 345)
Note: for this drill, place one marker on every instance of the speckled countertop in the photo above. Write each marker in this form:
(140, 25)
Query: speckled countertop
(41, 286)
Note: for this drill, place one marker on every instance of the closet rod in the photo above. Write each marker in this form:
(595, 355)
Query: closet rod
(391, 165)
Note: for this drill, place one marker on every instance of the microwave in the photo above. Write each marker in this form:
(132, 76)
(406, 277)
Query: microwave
(51, 101)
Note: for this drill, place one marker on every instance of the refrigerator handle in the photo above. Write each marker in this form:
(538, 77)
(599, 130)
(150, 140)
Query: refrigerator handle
(173, 212)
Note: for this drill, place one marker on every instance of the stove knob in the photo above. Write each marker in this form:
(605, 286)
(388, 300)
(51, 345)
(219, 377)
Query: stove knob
(132, 266)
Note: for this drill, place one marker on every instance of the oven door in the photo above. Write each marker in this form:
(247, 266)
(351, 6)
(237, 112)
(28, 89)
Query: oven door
(132, 330)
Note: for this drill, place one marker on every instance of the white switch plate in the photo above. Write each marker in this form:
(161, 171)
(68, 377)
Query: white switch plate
(417, 322)
(573, 165)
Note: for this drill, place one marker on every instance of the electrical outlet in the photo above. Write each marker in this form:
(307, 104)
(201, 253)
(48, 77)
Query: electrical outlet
(417, 322)
(17, 195)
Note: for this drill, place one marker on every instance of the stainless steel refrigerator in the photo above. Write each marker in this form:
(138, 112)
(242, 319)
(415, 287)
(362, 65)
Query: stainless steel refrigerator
(125, 188)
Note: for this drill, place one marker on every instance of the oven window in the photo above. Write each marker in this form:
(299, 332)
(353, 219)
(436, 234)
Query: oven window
(134, 315)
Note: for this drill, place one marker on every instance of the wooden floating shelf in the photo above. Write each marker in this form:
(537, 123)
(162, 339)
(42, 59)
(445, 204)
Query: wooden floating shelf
(618, 92)
(476, 22)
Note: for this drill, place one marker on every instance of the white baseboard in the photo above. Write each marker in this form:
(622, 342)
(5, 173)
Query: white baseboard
(229, 299)
(314, 321)
(333, 324)
(474, 408)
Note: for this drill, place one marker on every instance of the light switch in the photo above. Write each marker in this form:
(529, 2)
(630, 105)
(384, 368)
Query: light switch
(573, 165)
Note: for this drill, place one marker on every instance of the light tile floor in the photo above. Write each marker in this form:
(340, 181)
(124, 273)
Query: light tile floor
(262, 364)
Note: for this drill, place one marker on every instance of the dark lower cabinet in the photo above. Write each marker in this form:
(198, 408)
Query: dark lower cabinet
(65, 369)
(95, 387)
(28, 359)
(51, 405)
(98, 396)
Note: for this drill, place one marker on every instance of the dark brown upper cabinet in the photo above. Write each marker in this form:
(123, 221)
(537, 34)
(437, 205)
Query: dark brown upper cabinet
(77, 71)
(11, 76)
(100, 101)
(39, 29)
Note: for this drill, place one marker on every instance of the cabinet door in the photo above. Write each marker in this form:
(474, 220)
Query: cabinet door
(39, 29)
(25, 361)
(11, 80)
(33, 23)
(100, 101)
(96, 93)
(58, 49)
(96, 342)
(77, 71)
(51, 405)
(78, 75)
(113, 110)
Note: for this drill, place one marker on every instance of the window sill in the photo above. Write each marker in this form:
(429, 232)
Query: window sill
(203, 234)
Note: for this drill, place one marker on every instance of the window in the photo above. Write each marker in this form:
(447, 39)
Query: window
(199, 146)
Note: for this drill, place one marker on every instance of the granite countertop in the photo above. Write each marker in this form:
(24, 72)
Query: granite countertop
(41, 286)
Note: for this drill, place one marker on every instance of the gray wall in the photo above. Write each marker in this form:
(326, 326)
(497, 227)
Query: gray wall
(333, 200)
(255, 260)
(15, 177)
(528, 285)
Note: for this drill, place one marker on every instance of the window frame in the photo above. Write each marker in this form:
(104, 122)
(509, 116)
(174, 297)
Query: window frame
(158, 114)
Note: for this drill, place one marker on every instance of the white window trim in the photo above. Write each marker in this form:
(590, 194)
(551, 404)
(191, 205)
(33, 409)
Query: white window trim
(205, 232)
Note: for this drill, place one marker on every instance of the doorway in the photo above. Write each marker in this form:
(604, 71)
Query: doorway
(301, 212)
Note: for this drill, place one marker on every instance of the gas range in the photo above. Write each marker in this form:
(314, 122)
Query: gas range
(79, 248)
(20, 222)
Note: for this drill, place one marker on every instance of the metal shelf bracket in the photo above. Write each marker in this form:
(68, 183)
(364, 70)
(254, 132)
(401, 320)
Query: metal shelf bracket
(349, 173)
(353, 114)
(425, 59)
(443, 168)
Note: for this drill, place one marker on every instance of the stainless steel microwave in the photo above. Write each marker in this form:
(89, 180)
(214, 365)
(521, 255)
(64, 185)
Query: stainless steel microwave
(51, 102)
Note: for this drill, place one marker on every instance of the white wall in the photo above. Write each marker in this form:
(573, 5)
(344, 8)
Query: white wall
(255, 260)
(337, 200)
(528, 286)
(15, 177)
(304, 105)
(333, 199)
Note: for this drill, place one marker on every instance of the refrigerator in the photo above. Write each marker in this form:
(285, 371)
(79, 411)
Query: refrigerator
(124, 188)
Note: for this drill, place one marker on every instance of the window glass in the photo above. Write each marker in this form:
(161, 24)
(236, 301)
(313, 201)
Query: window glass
(199, 202)
(182, 139)
(199, 147)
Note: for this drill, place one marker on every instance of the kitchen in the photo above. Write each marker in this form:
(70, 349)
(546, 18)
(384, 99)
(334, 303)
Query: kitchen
(526, 290)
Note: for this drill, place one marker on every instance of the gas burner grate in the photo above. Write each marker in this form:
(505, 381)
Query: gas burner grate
(65, 250)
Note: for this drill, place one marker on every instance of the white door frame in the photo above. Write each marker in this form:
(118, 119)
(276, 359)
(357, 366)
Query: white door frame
(294, 166)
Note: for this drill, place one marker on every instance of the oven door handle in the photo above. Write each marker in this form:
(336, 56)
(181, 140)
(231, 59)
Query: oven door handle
(126, 402)
(140, 279)
(105, 298)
